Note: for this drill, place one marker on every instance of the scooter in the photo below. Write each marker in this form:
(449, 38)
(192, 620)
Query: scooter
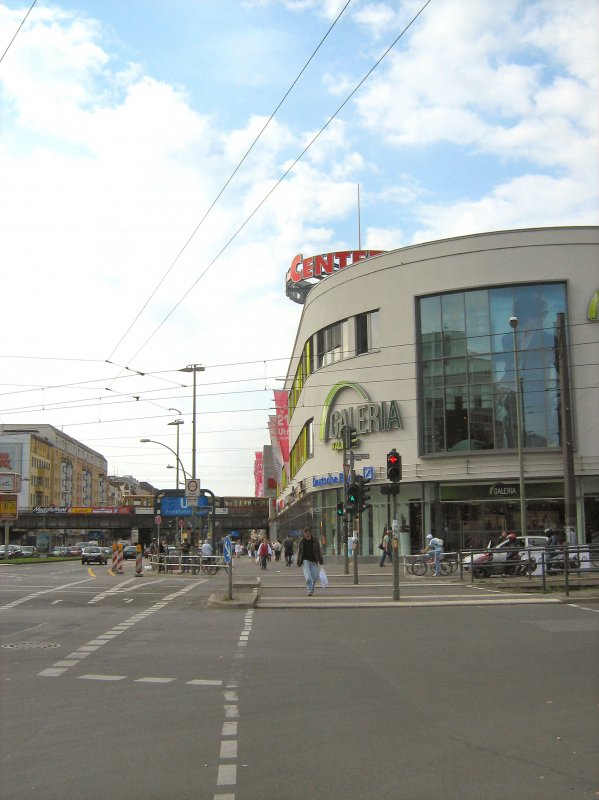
(555, 561)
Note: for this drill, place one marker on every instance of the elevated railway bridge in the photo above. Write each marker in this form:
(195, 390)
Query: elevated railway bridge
(215, 517)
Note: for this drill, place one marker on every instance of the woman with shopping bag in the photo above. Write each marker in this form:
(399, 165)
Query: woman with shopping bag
(309, 557)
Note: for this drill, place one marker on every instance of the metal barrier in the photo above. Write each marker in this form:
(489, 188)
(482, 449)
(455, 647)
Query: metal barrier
(558, 561)
(186, 564)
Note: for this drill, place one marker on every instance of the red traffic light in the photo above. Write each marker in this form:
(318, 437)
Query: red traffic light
(393, 466)
(392, 459)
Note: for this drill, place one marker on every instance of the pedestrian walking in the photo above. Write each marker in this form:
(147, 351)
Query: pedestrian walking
(263, 553)
(386, 547)
(277, 547)
(288, 548)
(185, 549)
(435, 545)
(309, 557)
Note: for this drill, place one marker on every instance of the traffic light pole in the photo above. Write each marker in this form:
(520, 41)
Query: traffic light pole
(395, 544)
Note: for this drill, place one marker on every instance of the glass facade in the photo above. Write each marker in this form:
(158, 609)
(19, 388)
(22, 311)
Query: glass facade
(467, 368)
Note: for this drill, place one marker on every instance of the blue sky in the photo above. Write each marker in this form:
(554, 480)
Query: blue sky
(120, 122)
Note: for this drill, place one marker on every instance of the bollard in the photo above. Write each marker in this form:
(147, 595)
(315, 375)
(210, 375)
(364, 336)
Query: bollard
(139, 569)
(114, 557)
(119, 560)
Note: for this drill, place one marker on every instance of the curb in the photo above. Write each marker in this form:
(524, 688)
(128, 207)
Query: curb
(243, 599)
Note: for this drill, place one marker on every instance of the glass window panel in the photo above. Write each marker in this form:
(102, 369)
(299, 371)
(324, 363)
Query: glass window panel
(455, 371)
(433, 421)
(361, 334)
(506, 436)
(456, 418)
(480, 369)
(375, 332)
(481, 417)
(478, 326)
(501, 303)
(454, 324)
(432, 374)
(430, 327)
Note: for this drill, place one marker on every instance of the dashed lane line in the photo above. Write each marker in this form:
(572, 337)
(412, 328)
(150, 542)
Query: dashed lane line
(34, 595)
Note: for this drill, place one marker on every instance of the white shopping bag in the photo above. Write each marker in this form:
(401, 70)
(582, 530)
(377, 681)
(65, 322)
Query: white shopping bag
(322, 577)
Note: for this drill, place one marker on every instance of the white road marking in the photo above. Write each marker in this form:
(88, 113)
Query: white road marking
(51, 672)
(228, 748)
(66, 663)
(227, 775)
(224, 797)
(55, 602)
(200, 682)
(231, 712)
(43, 591)
(231, 697)
(102, 677)
(229, 728)
(154, 680)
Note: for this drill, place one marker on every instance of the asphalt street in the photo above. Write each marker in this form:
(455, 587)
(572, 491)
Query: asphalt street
(124, 687)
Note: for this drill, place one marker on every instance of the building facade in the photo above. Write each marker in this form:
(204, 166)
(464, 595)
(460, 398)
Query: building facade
(55, 469)
(423, 349)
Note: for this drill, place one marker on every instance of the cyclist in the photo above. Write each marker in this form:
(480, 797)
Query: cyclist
(434, 545)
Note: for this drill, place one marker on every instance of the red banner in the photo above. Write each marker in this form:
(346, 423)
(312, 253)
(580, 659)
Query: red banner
(258, 475)
(282, 408)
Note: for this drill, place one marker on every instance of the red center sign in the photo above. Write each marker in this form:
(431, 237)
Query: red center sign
(157, 519)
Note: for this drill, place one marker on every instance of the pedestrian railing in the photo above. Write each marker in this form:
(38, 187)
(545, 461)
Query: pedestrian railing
(186, 564)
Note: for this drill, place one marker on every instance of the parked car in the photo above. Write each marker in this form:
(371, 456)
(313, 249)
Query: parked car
(13, 551)
(92, 555)
(28, 551)
(130, 551)
(493, 561)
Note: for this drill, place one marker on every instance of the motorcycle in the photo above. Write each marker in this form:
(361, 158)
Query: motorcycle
(555, 561)
(513, 565)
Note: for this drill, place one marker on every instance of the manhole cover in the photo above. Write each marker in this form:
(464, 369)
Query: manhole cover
(30, 645)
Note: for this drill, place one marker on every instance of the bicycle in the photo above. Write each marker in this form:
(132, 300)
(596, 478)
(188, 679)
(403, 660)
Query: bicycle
(418, 565)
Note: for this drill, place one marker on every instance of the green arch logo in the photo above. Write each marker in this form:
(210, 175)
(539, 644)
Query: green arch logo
(593, 308)
(330, 399)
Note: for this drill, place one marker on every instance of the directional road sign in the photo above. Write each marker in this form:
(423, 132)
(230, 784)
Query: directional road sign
(227, 550)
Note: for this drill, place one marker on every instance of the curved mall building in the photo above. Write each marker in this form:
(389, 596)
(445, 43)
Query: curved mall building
(423, 349)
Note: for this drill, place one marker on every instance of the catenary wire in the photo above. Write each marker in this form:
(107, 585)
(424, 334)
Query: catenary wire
(229, 179)
(17, 31)
(278, 183)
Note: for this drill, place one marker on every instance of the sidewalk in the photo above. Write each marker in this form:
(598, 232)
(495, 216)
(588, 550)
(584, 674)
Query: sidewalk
(283, 587)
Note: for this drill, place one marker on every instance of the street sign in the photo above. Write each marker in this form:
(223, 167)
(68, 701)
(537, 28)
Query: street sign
(368, 472)
(361, 456)
(8, 506)
(221, 510)
(227, 550)
(10, 482)
(157, 519)
(192, 487)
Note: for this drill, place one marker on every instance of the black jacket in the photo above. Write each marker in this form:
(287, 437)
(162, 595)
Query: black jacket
(317, 551)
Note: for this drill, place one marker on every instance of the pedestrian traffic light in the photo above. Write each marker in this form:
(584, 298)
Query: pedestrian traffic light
(364, 493)
(353, 497)
(393, 466)
(340, 509)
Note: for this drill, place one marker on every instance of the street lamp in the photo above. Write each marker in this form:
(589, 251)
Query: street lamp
(519, 415)
(179, 462)
(193, 368)
(177, 422)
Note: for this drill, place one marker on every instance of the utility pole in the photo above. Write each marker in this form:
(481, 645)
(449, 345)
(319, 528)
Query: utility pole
(563, 371)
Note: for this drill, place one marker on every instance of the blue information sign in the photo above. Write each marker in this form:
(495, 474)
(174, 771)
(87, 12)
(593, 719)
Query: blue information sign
(178, 507)
(227, 550)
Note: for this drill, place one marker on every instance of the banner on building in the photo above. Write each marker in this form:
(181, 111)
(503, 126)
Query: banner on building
(277, 453)
(282, 408)
(258, 475)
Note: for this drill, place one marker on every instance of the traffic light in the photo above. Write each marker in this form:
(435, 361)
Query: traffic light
(364, 496)
(393, 466)
(340, 509)
(351, 438)
(353, 497)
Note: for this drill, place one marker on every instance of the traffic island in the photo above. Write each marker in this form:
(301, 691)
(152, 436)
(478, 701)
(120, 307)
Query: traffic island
(245, 595)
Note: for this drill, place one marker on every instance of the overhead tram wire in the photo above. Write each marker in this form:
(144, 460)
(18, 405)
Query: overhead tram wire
(229, 179)
(281, 179)
(17, 31)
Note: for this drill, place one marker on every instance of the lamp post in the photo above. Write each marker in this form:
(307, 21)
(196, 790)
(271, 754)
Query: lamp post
(193, 368)
(179, 462)
(177, 422)
(519, 414)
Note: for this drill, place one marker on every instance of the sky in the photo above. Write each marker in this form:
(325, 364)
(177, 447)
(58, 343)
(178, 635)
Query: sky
(120, 124)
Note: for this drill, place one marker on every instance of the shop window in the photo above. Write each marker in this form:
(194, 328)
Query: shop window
(329, 344)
